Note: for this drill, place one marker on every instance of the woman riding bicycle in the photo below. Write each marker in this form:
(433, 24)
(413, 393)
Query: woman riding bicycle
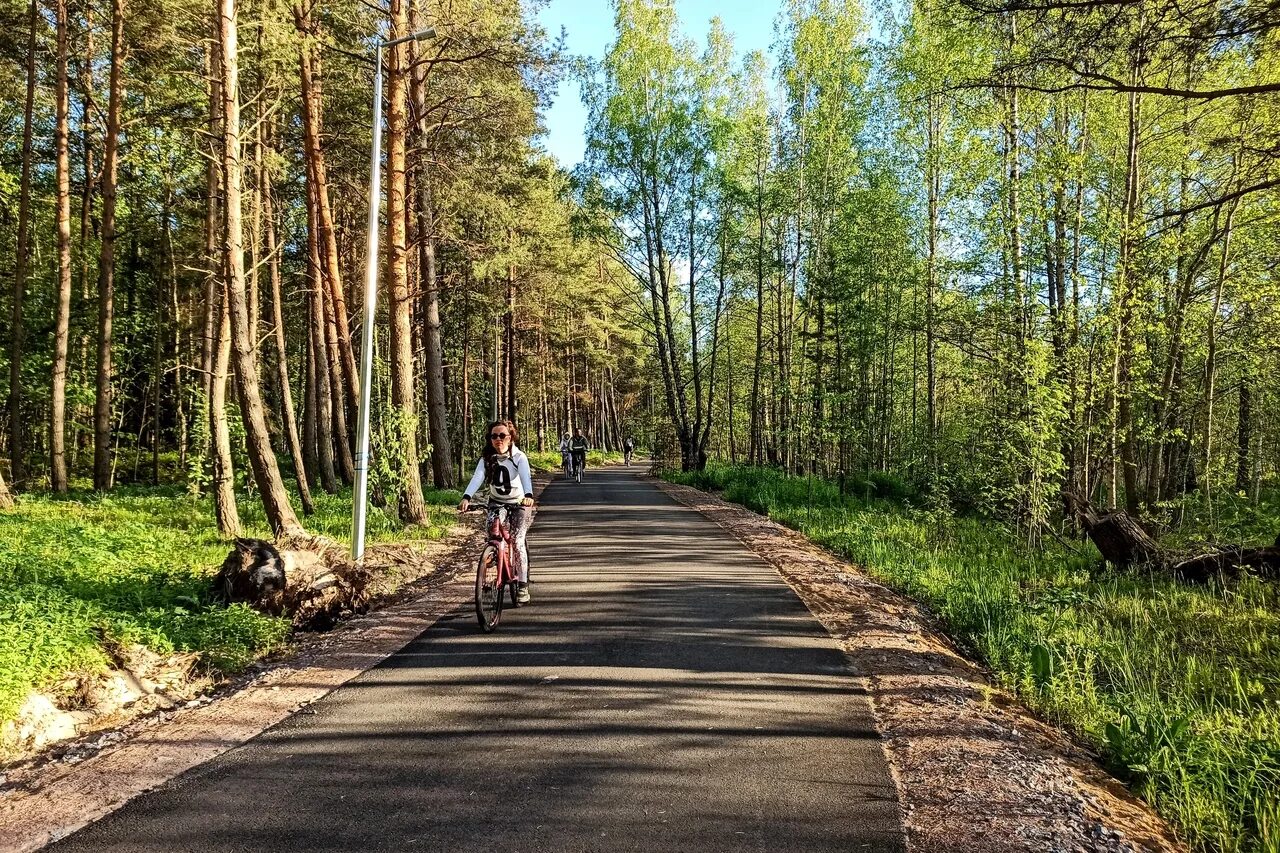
(505, 469)
(566, 456)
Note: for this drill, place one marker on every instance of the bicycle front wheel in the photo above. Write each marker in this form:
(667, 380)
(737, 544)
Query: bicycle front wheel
(488, 589)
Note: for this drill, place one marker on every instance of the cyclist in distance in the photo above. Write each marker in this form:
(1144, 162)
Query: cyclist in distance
(628, 448)
(566, 457)
(578, 447)
(504, 468)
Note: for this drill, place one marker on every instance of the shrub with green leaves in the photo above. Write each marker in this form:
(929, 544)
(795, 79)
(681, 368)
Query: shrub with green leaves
(135, 566)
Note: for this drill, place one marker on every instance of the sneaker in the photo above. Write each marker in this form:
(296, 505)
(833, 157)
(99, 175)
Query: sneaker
(522, 594)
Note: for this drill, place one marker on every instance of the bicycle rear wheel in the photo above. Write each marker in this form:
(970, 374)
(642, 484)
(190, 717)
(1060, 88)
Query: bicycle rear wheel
(488, 589)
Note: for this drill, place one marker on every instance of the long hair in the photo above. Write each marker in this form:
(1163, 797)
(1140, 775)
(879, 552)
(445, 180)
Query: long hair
(489, 454)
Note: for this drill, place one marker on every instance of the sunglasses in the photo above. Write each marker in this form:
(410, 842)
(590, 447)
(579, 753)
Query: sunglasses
(497, 435)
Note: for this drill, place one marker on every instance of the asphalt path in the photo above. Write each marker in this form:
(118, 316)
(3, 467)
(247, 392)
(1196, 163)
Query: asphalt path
(664, 691)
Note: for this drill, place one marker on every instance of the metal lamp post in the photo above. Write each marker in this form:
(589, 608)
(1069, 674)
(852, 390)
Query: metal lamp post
(361, 503)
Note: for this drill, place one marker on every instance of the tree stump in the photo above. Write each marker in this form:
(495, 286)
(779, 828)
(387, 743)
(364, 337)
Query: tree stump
(309, 580)
(1121, 540)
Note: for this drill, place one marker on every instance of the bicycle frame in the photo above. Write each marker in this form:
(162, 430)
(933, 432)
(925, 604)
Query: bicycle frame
(500, 539)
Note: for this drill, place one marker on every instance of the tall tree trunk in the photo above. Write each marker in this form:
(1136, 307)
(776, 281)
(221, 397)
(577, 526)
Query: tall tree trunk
(1244, 414)
(509, 346)
(312, 125)
(310, 412)
(411, 505)
(323, 374)
(290, 422)
(62, 318)
(22, 267)
(275, 500)
(224, 492)
(442, 472)
(106, 259)
(755, 432)
(1211, 355)
(212, 218)
(933, 179)
(1126, 299)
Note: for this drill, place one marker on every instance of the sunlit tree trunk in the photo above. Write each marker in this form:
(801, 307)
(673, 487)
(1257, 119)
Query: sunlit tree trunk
(400, 301)
(1126, 286)
(106, 259)
(262, 460)
(322, 375)
(62, 317)
(442, 471)
(312, 96)
(17, 332)
(290, 421)
(225, 511)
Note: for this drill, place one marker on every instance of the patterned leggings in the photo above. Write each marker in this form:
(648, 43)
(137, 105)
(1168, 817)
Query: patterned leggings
(518, 520)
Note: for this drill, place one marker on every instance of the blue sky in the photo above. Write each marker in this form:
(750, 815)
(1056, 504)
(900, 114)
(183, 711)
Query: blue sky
(589, 30)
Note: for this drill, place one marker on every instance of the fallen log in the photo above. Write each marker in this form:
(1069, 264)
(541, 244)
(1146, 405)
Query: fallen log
(1230, 562)
(309, 580)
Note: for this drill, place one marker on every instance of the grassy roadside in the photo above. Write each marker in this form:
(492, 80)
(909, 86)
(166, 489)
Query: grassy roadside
(134, 566)
(549, 460)
(1177, 686)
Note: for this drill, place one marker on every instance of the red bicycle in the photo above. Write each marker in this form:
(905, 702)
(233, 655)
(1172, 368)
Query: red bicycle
(495, 571)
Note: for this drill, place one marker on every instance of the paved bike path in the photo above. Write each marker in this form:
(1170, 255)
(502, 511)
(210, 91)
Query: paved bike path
(665, 691)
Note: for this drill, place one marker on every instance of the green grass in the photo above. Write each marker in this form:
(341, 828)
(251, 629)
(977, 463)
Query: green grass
(550, 460)
(1177, 686)
(135, 566)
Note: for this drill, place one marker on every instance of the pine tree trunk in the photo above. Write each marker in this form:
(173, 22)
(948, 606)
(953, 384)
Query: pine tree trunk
(275, 500)
(212, 257)
(442, 472)
(411, 505)
(62, 319)
(509, 346)
(22, 266)
(310, 413)
(224, 492)
(282, 353)
(322, 376)
(312, 97)
(106, 261)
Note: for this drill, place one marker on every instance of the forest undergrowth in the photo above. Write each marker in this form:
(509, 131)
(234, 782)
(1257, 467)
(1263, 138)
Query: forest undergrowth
(86, 570)
(1177, 686)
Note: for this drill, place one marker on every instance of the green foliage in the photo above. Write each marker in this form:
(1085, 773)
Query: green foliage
(135, 567)
(1177, 685)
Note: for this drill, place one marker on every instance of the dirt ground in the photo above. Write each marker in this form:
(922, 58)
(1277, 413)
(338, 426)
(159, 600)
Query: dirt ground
(975, 770)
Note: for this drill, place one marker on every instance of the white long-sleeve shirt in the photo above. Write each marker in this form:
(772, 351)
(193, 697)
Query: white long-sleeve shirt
(510, 482)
